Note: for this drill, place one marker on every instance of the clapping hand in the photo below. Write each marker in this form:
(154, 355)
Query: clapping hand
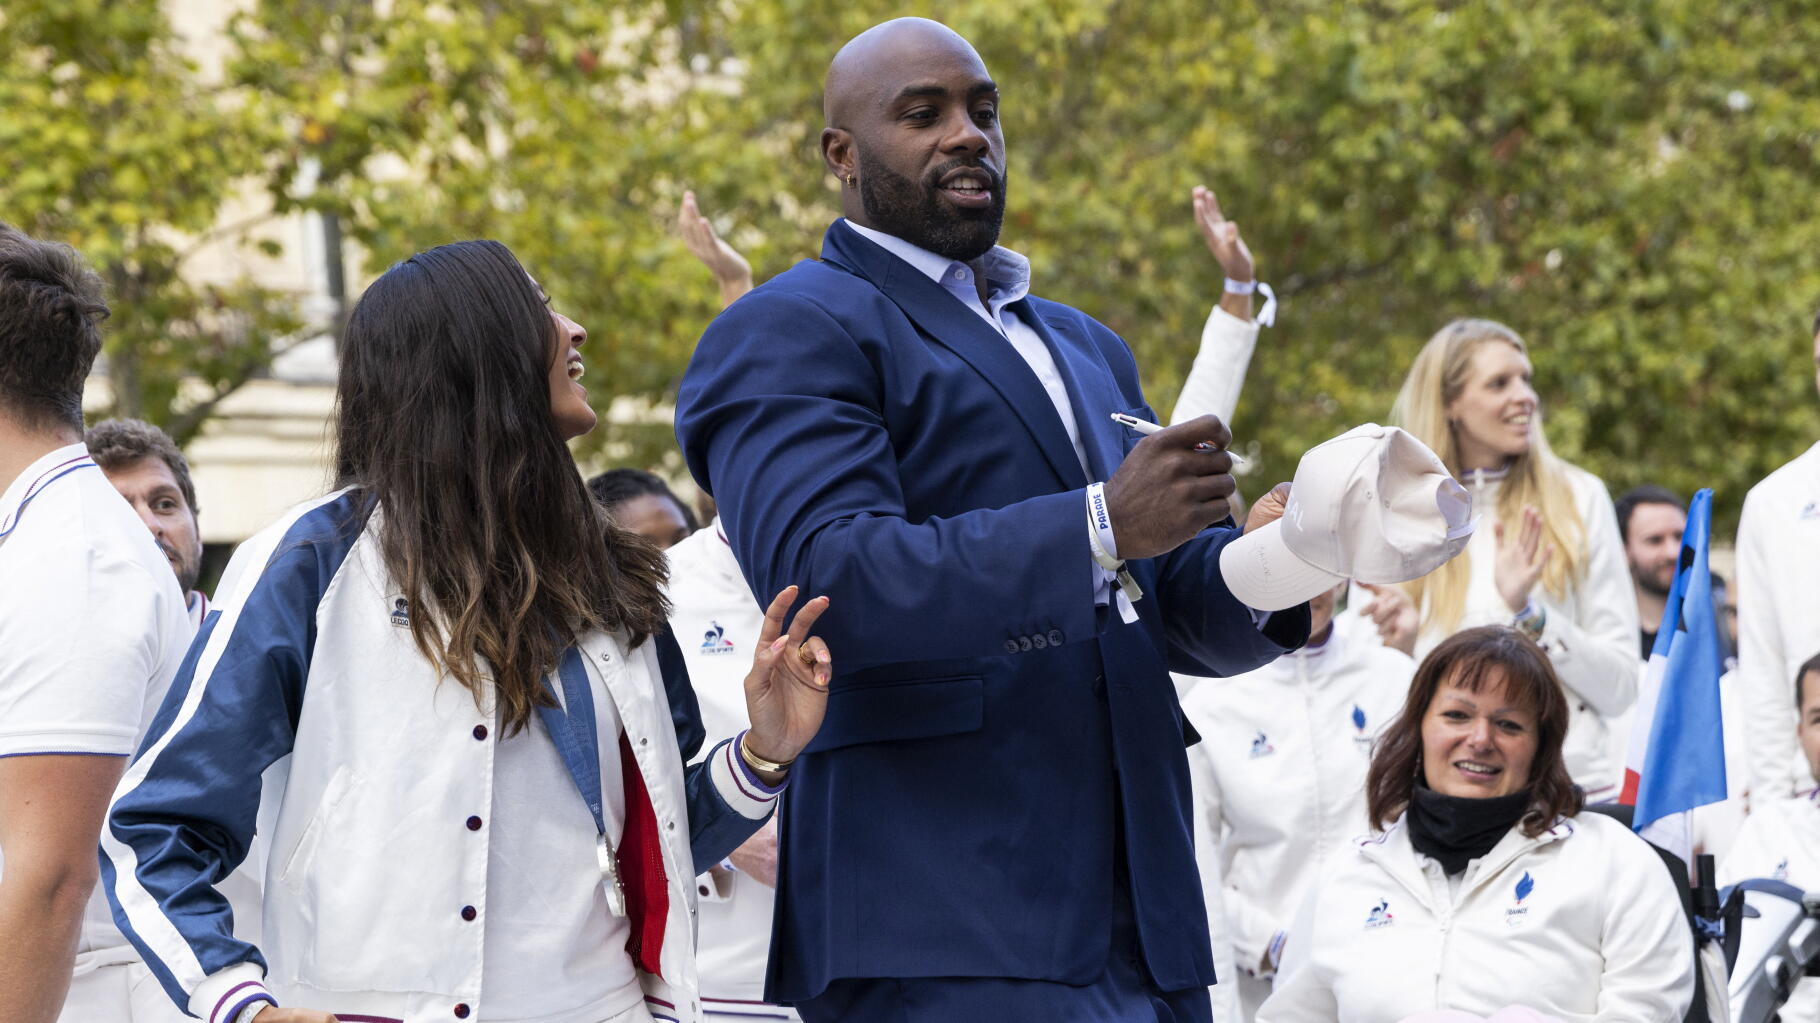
(787, 689)
(1395, 615)
(1521, 558)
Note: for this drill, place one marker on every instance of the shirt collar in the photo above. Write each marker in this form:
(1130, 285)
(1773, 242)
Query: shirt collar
(1480, 477)
(1007, 272)
(36, 476)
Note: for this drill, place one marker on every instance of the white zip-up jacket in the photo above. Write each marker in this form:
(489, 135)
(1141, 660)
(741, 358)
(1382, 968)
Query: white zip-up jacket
(1581, 923)
(1218, 375)
(1781, 842)
(1590, 633)
(375, 893)
(1778, 628)
(1280, 773)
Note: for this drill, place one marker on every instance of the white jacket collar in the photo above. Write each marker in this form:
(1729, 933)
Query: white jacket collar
(1392, 850)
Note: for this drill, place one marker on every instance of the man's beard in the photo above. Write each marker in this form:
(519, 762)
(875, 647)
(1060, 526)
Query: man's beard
(915, 212)
(189, 570)
(1651, 582)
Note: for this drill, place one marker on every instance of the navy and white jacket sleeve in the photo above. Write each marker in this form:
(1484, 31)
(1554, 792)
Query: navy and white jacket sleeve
(727, 802)
(183, 816)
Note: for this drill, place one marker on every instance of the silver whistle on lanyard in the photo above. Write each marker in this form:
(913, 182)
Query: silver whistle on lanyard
(610, 884)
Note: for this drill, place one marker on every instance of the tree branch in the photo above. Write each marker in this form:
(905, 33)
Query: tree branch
(225, 231)
(184, 426)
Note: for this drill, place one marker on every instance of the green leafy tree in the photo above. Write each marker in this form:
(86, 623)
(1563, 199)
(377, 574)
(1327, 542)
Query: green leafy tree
(1625, 185)
(115, 142)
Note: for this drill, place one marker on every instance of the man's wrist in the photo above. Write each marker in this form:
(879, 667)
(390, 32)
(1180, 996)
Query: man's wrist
(1100, 540)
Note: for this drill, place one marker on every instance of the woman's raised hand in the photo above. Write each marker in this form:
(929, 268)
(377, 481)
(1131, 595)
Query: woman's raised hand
(730, 269)
(1521, 558)
(787, 689)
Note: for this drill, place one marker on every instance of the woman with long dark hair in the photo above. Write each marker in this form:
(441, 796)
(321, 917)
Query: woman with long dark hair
(451, 676)
(1482, 885)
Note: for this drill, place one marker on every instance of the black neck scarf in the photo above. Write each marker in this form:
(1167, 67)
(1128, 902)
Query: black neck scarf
(1455, 830)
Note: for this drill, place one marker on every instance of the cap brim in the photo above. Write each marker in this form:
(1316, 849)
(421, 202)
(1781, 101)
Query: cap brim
(1262, 573)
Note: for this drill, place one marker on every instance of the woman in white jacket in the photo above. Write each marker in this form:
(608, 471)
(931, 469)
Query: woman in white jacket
(1486, 887)
(1279, 778)
(458, 671)
(1546, 557)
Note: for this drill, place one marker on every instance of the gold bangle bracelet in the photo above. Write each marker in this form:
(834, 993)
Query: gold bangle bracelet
(758, 763)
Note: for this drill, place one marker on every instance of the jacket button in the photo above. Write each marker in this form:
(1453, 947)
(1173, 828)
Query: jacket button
(473, 823)
(703, 889)
(461, 1010)
(1039, 641)
(1055, 637)
(1023, 643)
(468, 913)
(480, 732)
(1011, 646)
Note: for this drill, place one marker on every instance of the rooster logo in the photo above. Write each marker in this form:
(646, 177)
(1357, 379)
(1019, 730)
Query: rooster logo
(1525, 885)
(1261, 747)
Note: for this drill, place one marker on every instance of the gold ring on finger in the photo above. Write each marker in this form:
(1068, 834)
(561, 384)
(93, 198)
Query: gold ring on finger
(805, 655)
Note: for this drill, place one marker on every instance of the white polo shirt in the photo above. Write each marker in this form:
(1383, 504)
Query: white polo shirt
(92, 626)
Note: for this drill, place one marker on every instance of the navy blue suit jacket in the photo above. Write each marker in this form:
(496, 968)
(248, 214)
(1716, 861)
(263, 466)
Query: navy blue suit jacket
(989, 729)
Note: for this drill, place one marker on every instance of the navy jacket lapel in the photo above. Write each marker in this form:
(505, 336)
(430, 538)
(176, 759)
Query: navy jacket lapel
(961, 331)
(1093, 406)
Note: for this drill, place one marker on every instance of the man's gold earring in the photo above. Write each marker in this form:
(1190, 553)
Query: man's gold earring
(852, 181)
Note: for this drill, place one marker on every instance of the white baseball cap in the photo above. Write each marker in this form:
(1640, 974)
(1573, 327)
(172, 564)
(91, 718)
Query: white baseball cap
(1373, 504)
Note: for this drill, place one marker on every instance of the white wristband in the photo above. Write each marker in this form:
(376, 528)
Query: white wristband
(1267, 316)
(1099, 536)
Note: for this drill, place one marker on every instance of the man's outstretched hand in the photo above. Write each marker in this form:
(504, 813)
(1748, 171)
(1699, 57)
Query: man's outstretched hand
(1166, 491)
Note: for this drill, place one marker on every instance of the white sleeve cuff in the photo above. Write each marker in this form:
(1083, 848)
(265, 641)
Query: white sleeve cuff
(105, 742)
(739, 785)
(220, 997)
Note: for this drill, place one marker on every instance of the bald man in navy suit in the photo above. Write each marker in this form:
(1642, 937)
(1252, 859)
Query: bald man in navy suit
(994, 822)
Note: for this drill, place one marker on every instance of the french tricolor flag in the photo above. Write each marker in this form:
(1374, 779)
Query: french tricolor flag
(1677, 743)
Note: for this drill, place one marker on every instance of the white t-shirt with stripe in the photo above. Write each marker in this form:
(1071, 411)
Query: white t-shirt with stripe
(92, 627)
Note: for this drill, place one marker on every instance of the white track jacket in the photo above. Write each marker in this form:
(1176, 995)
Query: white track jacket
(1778, 627)
(1280, 773)
(1581, 922)
(1781, 842)
(375, 894)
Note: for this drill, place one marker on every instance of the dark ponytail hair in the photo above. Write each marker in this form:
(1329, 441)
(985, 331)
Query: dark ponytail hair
(443, 420)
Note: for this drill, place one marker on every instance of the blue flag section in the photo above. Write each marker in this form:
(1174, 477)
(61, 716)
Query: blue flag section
(1683, 765)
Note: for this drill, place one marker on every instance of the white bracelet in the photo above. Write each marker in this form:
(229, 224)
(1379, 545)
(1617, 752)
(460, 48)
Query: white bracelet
(1099, 529)
(1267, 316)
